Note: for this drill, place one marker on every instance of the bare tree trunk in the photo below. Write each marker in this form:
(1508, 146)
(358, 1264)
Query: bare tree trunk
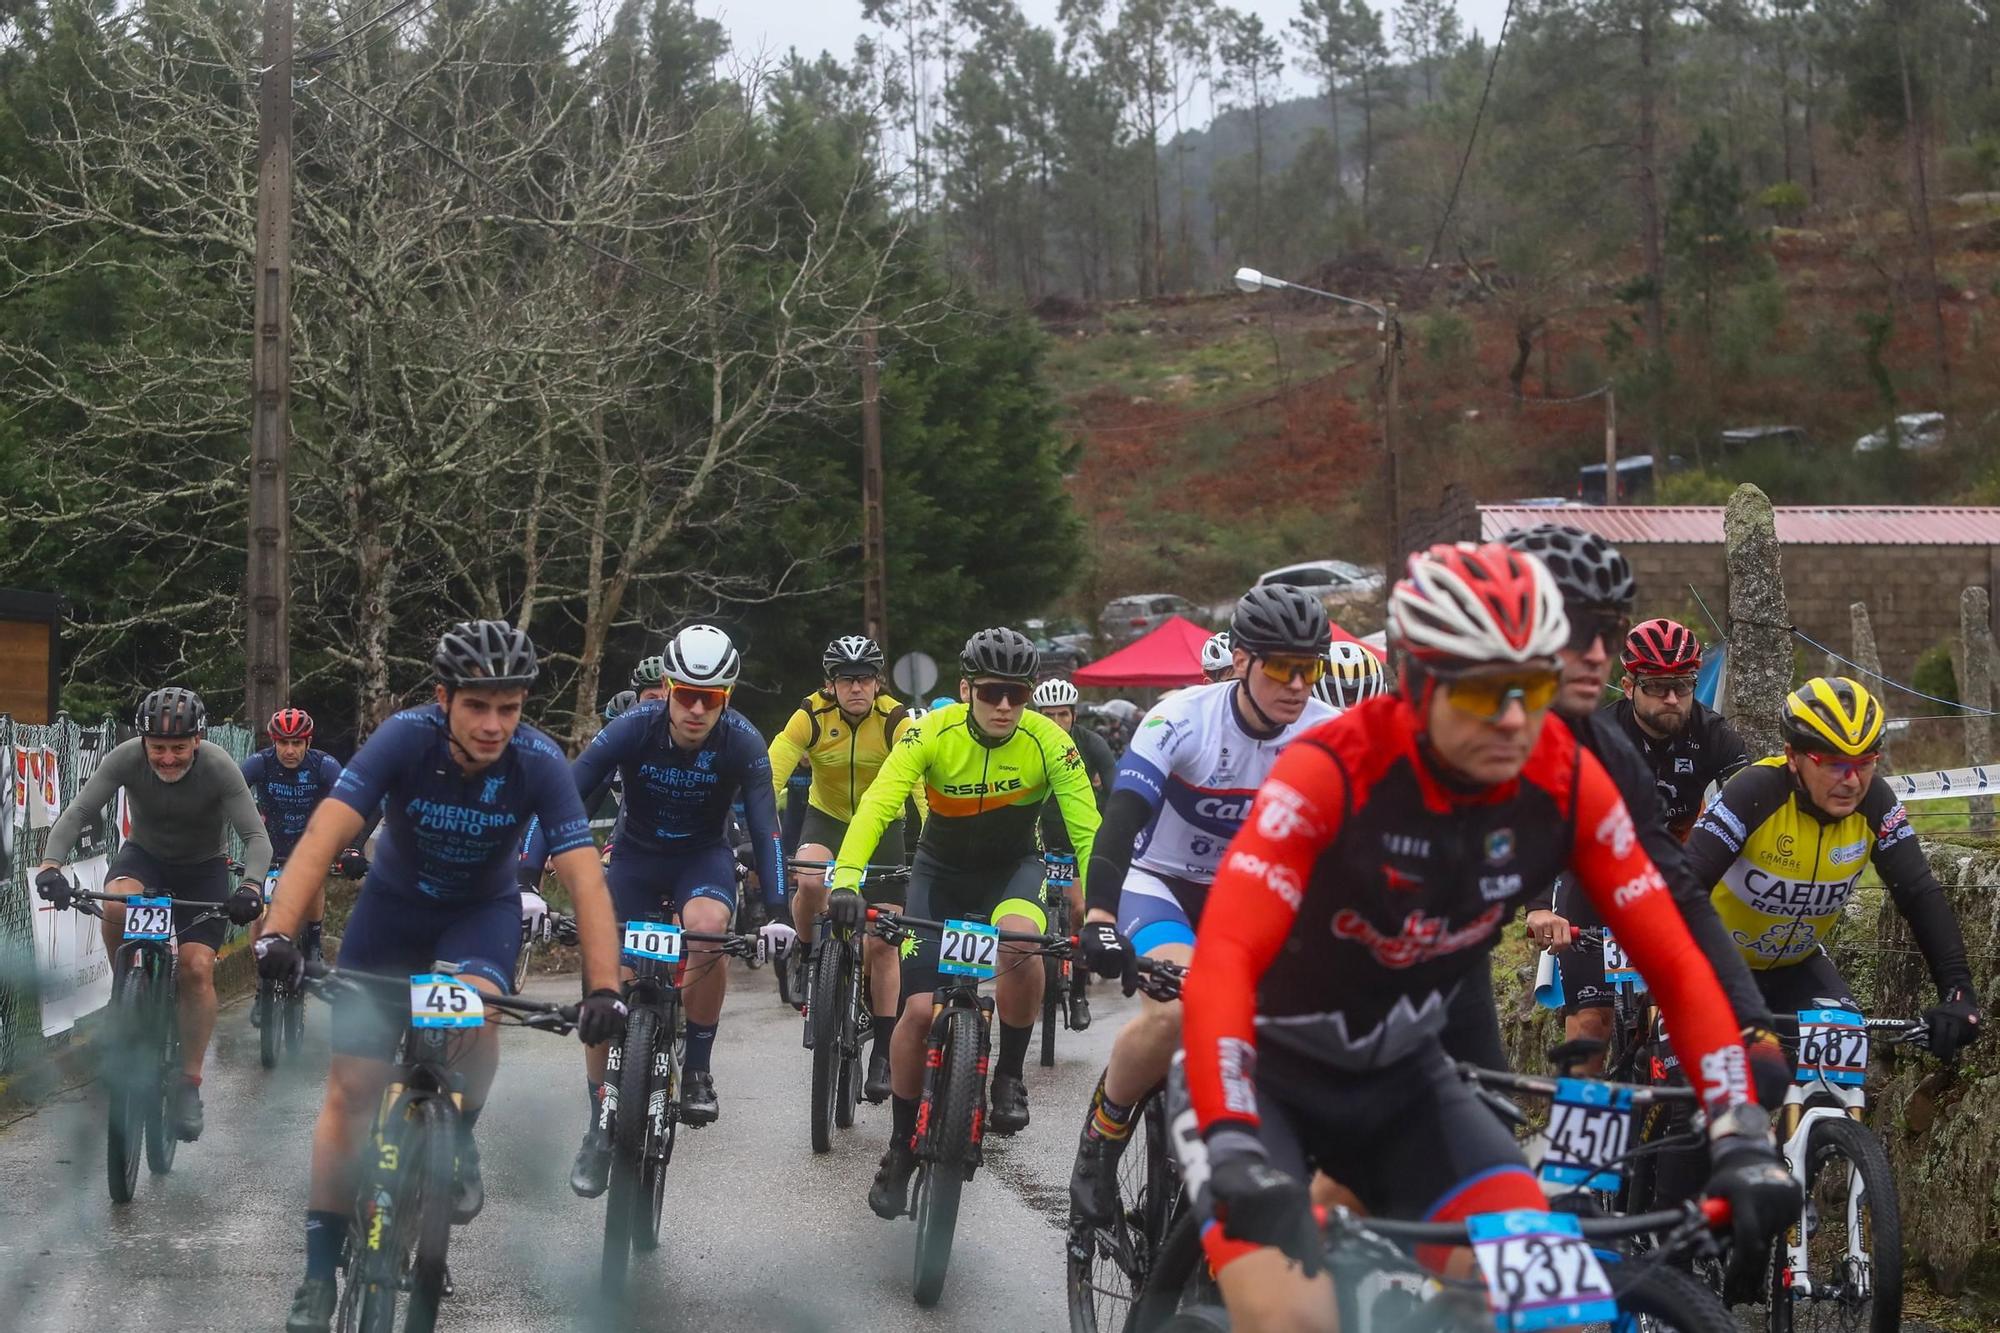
(1913, 137)
(1650, 242)
(1812, 153)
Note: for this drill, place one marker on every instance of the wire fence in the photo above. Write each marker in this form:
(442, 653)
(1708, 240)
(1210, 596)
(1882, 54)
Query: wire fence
(37, 961)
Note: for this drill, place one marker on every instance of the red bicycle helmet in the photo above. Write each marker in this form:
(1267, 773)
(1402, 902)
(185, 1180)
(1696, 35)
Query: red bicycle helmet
(291, 724)
(1662, 648)
(1462, 607)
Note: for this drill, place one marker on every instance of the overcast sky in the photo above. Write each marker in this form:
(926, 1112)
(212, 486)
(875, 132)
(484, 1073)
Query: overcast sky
(771, 26)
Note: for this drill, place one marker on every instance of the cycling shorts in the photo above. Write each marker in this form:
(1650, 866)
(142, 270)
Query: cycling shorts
(942, 893)
(1582, 968)
(824, 829)
(1411, 1140)
(649, 885)
(200, 881)
(1811, 983)
(1154, 910)
(396, 935)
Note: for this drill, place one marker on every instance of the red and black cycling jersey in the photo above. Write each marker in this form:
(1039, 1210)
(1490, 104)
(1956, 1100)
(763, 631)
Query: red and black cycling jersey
(1363, 888)
(1706, 750)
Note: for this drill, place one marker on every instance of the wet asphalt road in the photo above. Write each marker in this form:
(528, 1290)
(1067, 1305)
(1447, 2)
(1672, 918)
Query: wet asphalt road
(758, 1233)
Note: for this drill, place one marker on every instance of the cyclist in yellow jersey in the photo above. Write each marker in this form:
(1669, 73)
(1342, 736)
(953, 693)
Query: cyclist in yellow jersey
(1785, 841)
(844, 730)
(987, 764)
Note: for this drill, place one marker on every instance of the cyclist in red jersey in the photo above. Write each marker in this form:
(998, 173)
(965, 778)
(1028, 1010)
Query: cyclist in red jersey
(1371, 877)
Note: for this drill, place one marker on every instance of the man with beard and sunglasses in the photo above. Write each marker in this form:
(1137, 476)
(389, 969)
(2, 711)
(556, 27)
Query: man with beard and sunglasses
(987, 764)
(1688, 746)
(684, 761)
(1180, 795)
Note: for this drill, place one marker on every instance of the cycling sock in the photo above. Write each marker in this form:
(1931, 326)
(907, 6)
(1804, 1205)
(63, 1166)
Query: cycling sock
(1014, 1048)
(596, 1100)
(326, 1234)
(1110, 1120)
(883, 1027)
(903, 1119)
(701, 1044)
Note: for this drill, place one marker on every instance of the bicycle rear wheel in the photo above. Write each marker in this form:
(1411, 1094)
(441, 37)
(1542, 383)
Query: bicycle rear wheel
(947, 1152)
(125, 1058)
(1854, 1242)
(163, 1017)
(627, 1194)
(830, 962)
(267, 1024)
(1108, 1266)
(434, 1131)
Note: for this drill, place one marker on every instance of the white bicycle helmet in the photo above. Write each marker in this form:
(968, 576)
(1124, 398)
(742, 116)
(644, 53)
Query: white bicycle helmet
(1215, 654)
(1353, 674)
(1055, 692)
(1462, 607)
(702, 655)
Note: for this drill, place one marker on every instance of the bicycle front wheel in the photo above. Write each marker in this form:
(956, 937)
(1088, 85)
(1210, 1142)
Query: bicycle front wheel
(1853, 1277)
(1109, 1265)
(848, 1096)
(1179, 1280)
(124, 1081)
(163, 1018)
(830, 963)
(267, 1024)
(1655, 1298)
(947, 1151)
(626, 1196)
(434, 1129)
(294, 1009)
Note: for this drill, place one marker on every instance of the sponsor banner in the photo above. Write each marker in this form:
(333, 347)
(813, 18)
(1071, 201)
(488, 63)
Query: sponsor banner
(1980, 781)
(69, 954)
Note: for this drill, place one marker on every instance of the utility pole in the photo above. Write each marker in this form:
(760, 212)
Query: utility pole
(1611, 446)
(267, 645)
(875, 555)
(1392, 368)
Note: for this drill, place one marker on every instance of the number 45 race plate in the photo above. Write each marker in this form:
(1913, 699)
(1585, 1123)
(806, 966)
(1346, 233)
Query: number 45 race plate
(439, 1001)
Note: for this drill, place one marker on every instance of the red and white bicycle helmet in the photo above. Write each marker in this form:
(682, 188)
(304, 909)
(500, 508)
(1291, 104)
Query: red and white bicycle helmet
(291, 724)
(1662, 648)
(1463, 607)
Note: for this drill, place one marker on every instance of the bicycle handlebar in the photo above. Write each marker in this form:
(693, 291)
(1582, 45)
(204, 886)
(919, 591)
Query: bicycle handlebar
(887, 923)
(538, 1014)
(1535, 1086)
(1707, 1214)
(207, 909)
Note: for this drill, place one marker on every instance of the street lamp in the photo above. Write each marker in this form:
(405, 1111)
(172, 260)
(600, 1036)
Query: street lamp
(1256, 280)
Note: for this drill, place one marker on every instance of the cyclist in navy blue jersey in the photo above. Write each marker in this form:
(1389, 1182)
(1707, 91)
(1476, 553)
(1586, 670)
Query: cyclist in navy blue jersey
(460, 778)
(289, 778)
(685, 762)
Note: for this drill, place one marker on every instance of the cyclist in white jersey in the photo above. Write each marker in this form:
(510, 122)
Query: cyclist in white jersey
(1183, 788)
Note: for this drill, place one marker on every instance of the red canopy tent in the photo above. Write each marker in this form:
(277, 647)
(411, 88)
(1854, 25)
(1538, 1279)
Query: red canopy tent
(1161, 659)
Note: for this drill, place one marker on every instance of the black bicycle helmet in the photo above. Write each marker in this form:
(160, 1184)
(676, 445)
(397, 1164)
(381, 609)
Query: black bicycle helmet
(1588, 569)
(484, 652)
(1000, 652)
(171, 714)
(1278, 618)
(852, 655)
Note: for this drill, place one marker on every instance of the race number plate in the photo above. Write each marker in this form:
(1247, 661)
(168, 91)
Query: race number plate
(1589, 1125)
(149, 918)
(1833, 1045)
(1061, 871)
(1618, 969)
(651, 939)
(270, 885)
(439, 1001)
(969, 949)
(1539, 1273)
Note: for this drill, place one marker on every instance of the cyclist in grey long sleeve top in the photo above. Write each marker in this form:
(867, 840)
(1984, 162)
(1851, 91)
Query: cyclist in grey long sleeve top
(184, 793)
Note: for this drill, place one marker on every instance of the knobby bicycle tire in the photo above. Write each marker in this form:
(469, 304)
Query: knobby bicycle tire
(829, 961)
(125, 1082)
(376, 1271)
(434, 1121)
(1832, 1143)
(848, 1096)
(268, 1036)
(961, 1093)
(660, 1141)
(1052, 1005)
(1666, 1299)
(626, 1192)
(162, 1067)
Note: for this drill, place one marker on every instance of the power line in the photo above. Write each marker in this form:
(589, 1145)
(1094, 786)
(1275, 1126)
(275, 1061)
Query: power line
(1477, 116)
(1964, 710)
(320, 53)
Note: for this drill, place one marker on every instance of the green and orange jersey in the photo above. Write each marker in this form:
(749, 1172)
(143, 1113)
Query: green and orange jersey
(985, 798)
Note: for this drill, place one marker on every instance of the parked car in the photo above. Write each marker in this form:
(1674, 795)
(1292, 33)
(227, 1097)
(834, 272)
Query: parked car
(1636, 476)
(1064, 644)
(1340, 584)
(1127, 618)
(1914, 431)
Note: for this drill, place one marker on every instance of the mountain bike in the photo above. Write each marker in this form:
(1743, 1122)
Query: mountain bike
(1841, 1265)
(640, 1109)
(142, 1052)
(1061, 979)
(279, 1010)
(837, 1013)
(400, 1230)
(951, 1116)
(1107, 1266)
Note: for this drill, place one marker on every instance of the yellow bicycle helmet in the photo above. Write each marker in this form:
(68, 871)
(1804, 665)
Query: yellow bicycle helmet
(1833, 715)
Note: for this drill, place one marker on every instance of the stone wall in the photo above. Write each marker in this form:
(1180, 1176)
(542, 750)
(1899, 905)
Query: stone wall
(1911, 591)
